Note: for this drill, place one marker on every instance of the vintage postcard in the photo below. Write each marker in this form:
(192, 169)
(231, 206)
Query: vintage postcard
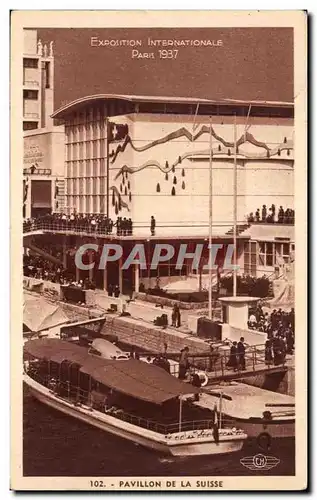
(159, 248)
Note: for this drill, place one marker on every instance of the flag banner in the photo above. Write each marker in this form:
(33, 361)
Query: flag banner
(117, 132)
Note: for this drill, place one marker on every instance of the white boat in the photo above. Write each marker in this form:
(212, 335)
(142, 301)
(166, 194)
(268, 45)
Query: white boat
(53, 366)
(257, 411)
(108, 350)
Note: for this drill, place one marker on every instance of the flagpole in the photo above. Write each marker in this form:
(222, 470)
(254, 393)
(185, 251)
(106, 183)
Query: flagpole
(220, 411)
(210, 224)
(180, 414)
(235, 210)
(107, 168)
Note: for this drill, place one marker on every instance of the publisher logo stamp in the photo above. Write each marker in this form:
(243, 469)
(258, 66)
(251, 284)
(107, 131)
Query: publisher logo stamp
(259, 462)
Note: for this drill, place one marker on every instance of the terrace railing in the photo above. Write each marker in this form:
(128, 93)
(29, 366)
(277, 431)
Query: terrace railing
(67, 227)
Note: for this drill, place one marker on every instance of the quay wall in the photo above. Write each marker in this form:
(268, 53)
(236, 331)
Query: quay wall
(134, 332)
(282, 382)
(138, 332)
(75, 313)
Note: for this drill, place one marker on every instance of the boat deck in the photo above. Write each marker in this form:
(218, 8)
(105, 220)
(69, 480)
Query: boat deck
(244, 401)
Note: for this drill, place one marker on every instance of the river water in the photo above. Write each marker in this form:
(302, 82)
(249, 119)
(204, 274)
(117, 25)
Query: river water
(57, 445)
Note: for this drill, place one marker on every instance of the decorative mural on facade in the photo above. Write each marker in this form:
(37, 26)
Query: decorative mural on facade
(120, 190)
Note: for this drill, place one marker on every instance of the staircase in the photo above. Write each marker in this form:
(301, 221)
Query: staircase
(240, 229)
(47, 256)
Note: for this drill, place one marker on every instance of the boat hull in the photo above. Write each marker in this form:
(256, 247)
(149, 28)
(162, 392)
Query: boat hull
(276, 429)
(222, 447)
(242, 413)
(165, 444)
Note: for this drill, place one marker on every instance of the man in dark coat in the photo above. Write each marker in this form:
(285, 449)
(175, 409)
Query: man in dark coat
(232, 363)
(153, 224)
(183, 363)
(178, 316)
(241, 354)
(196, 382)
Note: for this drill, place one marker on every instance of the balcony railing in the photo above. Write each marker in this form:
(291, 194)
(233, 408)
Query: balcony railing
(68, 227)
(31, 115)
(37, 171)
(31, 83)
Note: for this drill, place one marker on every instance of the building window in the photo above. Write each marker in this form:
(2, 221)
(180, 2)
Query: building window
(282, 251)
(250, 257)
(30, 94)
(47, 74)
(30, 63)
(273, 253)
(266, 255)
(30, 125)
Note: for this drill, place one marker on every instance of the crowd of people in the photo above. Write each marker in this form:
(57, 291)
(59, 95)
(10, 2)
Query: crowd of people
(88, 223)
(280, 329)
(37, 267)
(84, 223)
(271, 215)
(40, 268)
(237, 355)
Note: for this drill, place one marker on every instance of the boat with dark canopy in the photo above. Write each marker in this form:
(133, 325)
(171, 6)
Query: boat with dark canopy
(129, 398)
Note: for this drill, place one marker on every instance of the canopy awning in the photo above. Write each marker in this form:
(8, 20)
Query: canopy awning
(139, 380)
(131, 377)
(39, 314)
(56, 350)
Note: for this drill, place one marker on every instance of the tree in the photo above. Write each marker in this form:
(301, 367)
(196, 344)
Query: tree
(173, 191)
(183, 172)
(173, 169)
(158, 188)
(113, 198)
(116, 208)
(174, 180)
(125, 191)
(183, 185)
(129, 186)
(130, 196)
(166, 164)
(166, 176)
(120, 188)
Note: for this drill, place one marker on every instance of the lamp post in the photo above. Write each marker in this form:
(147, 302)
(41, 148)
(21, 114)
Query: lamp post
(210, 224)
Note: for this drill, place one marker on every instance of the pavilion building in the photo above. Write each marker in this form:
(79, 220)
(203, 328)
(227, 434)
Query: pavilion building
(141, 156)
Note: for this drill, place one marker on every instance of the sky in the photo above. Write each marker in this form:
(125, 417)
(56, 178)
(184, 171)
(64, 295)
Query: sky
(249, 64)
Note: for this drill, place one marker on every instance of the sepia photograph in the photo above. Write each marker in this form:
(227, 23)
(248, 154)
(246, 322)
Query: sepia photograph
(159, 232)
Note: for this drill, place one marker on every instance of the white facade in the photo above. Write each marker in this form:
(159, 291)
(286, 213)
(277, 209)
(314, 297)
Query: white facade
(154, 160)
(38, 82)
(159, 151)
(44, 149)
(134, 157)
(43, 162)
